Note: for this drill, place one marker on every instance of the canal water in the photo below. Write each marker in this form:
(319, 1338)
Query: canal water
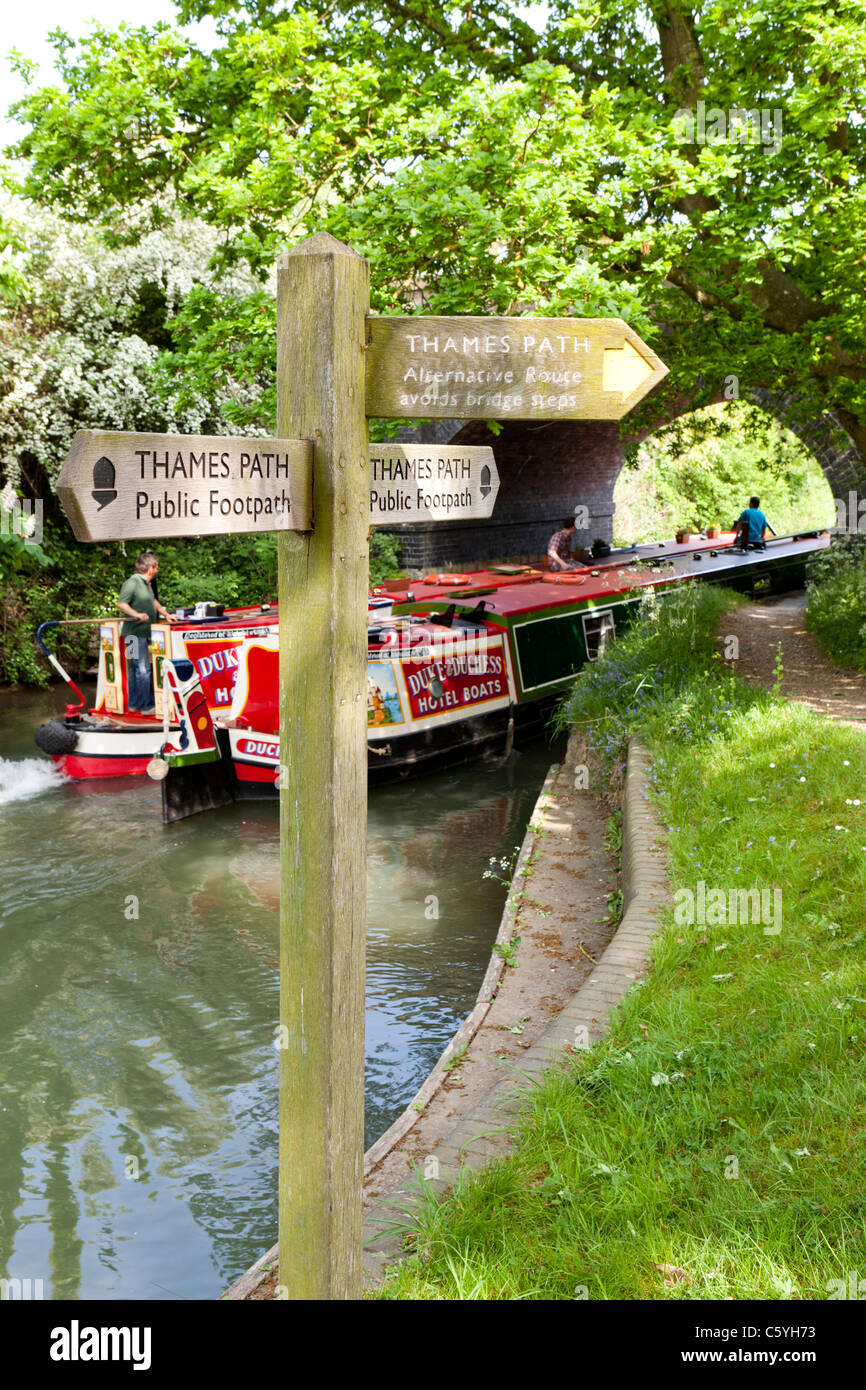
(139, 1004)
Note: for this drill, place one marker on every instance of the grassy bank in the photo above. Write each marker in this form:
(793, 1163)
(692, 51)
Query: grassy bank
(712, 1145)
(836, 611)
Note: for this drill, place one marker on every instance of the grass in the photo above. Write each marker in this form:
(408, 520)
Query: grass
(836, 611)
(712, 1145)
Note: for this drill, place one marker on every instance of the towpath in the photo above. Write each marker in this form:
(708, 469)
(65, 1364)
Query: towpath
(808, 675)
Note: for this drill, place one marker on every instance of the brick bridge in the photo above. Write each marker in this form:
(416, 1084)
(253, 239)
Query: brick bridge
(547, 469)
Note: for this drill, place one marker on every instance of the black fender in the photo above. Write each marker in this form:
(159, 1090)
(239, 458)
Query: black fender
(56, 738)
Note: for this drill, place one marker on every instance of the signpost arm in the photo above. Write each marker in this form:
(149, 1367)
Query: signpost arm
(322, 301)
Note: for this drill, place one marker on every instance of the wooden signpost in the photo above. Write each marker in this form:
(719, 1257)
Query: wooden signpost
(321, 485)
(507, 368)
(426, 482)
(120, 486)
(322, 301)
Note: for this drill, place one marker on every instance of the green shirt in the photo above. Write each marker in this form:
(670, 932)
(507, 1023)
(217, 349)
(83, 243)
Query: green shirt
(138, 594)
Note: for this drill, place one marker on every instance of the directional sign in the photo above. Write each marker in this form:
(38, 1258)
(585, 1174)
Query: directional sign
(431, 482)
(506, 368)
(117, 486)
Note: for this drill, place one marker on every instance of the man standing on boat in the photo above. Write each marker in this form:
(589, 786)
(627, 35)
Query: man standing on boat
(751, 525)
(136, 599)
(559, 556)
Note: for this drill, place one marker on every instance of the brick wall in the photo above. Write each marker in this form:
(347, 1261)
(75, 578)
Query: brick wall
(545, 472)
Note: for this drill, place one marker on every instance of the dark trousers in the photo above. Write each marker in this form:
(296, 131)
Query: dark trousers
(139, 688)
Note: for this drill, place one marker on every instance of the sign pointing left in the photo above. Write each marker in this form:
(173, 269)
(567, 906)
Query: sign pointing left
(117, 486)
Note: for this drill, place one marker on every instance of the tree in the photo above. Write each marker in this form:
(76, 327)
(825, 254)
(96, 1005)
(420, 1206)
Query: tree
(83, 326)
(481, 163)
(84, 332)
(710, 481)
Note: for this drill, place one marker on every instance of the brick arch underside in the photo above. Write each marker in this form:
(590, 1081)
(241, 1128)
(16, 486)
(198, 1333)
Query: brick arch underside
(548, 469)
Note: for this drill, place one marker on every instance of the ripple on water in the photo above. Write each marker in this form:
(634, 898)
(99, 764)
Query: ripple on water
(141, 1076)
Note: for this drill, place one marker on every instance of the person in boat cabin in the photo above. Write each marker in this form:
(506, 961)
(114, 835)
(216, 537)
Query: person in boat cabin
(559, 555)
(751, 524)
(137, 601)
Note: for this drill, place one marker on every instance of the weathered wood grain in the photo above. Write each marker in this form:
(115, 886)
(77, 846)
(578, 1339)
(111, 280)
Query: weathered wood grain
(485, 368)
(322, 298)
(116, 485)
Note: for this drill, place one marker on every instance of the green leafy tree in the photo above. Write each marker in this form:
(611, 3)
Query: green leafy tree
(84, 327)
(481, 163)
(737, 451)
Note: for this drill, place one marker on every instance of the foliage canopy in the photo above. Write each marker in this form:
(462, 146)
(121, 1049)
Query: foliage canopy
(481, 163)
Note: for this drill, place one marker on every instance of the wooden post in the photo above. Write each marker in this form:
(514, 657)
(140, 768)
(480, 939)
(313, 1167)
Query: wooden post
(322, 301)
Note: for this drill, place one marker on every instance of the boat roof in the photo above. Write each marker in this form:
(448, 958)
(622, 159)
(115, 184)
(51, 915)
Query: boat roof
(508, 594)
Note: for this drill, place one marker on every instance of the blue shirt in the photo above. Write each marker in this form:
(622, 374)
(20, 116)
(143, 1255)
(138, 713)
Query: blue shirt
(756, 522)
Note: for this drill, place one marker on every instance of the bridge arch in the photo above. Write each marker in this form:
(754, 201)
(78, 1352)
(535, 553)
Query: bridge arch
(547, 468)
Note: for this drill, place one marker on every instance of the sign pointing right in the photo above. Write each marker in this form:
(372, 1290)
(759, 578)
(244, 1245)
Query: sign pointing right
(431, 482)
(483, 368)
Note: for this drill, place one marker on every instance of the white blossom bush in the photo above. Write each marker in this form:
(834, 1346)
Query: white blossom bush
(73, 354)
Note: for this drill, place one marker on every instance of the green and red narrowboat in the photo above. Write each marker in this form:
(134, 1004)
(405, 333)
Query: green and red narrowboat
(461, 666)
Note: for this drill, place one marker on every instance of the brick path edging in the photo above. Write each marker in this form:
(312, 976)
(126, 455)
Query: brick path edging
(484, 1134)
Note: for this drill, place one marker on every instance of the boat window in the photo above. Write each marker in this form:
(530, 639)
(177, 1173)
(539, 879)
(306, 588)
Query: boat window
(598, 630)
(549, 650)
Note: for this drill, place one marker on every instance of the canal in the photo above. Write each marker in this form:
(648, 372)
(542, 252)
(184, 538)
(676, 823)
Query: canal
(139, 1004)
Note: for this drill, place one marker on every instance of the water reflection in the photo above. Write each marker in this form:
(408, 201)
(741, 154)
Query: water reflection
(138, 971)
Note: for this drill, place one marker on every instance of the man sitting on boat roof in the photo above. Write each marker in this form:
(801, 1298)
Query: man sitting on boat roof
(559, 554)
(751, 525)
(137, 600)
